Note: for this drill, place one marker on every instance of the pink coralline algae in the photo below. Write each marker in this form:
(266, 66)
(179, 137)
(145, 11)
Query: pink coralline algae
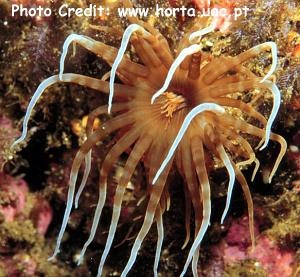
(275, 261)
(12, 196)
(238, 233)
(236, 248)
(25, 218)
(222, 19)
(41, 215)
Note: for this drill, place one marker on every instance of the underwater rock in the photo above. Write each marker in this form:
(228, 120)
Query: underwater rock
(234, 253)
(276, 262)
(24, 220)
(238, 236)
(7, 135)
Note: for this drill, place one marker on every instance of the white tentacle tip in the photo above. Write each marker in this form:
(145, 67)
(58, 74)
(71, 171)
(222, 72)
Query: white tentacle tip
(14, 144)
(200, 33)
(70, 39)
(224, 214)
(19, 140)
(109, 109)
(124, 43)
(264, 145)
(274, 51)
(156, 95)
(80, 261)
(53, 256)
(267, 139)
(155, 179)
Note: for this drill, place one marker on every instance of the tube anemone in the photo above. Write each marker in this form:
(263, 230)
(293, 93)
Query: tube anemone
(171, 114)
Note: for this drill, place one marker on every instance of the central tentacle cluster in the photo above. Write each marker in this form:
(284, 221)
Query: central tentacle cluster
(171, 103)
(170, 110)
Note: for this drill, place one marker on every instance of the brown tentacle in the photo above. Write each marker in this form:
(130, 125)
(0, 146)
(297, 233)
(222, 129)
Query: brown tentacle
(220, 90)
(145, 52)
(102, 110)
(244, 107)
(241, 179)
(191, 181)
(223, 64)
(188, 203)
(122, 91)
(161, 47)
(247, 128)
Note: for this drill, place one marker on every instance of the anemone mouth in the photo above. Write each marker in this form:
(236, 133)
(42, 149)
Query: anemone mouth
(170, 103)
(188, 92)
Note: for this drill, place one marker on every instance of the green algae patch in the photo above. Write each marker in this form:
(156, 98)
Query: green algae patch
(248, 268)
(27, 251)
(284, 214)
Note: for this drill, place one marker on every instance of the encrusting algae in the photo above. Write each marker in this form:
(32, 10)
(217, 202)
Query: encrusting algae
(170, 111)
